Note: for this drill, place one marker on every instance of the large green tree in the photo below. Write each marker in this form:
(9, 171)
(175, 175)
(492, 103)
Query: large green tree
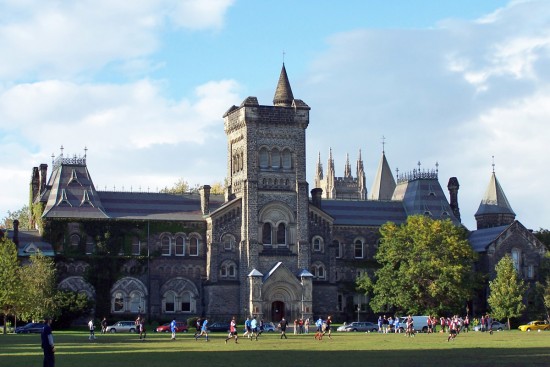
(425, 267)
(38, 293)
(9, 278)
(506, 291)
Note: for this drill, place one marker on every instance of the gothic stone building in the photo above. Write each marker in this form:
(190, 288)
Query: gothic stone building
(266, 247)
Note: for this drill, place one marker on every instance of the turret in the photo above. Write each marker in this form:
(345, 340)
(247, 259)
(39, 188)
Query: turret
(453, 187)
(494, 209)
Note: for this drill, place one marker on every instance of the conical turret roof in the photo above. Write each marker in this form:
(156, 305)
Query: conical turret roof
(384, 183)
(283, 93)
(494, 201)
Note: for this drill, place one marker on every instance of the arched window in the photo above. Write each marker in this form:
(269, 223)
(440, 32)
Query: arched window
(266, 234)
(186, 302)
(338, 246)
(194, 246)
(358, 249)
(166, 248)
(287, 159)
(75, 240)
(516, 259)
(317, 244)
(321, 272)
(118, 302)
(223, 271)
(136, 246)
(136, 302)
(180, 246)
(170, 302)
(228, 242)
(275, 158)
(264, 158)
(281, 234)
(232, 271)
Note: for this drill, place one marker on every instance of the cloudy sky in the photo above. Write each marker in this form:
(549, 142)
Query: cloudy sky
(143, 86)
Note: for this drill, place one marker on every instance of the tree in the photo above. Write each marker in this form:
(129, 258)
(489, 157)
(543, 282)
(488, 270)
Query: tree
(22, 215)
(37, 297)
(9, 280)
(544, 236)
(507, 290)
(72, 305)
(425, 267)
(182, 186)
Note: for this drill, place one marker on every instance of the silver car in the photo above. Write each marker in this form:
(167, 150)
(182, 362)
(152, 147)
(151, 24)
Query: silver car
(361, 326)
(122, 326)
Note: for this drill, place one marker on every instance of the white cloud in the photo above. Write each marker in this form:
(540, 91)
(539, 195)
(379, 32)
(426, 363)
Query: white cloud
(457, 94)
(61, 40)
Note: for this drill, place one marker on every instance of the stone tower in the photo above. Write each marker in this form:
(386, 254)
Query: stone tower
(266, 170)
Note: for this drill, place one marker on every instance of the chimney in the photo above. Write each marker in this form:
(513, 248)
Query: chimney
(453, 187)
(35, 184)
(16, 232)
(316, 195)
(205, 199)
(43, 177)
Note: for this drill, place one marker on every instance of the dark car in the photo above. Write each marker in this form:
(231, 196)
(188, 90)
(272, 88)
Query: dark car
(181, 327)
(219, 326)
(31, 327)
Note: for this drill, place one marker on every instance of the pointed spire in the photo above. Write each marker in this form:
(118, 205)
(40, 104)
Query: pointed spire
(283, 94)
(318, 172)
(347, 169)
(494, 201)
(360, 167)
(384, 183)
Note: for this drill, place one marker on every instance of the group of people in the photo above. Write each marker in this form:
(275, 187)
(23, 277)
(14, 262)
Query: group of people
(301, 326)
(323, 327)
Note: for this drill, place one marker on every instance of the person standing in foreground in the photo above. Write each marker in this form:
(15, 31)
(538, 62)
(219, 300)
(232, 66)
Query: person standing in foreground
(232, 331)
(104, 325)
(283, 325)
(173, 329)
(91, 326)
(47, 344)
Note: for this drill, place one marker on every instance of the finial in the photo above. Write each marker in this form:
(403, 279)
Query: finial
(383, 144)
(284, 56)
(493, 157)
(397, 172)
(62, 150)
(418, 166)
(436, 167)
(53, 156)
(85, 151)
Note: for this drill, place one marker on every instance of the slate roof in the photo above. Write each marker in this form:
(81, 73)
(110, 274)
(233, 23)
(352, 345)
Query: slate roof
(384, 183)
(283, 93)
(30, 242)
(71, 194)
(364, 212)
(481, 238)
(494, 201)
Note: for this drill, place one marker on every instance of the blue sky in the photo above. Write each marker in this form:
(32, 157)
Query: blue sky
(144, 84)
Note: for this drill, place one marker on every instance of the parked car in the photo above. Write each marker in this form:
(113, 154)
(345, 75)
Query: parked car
(122, 326)
(360, 326)
(535, 325)
(498, 326)
(420, 323)
(31, 327)
(181, 327)
(269, 327)
(219, 326)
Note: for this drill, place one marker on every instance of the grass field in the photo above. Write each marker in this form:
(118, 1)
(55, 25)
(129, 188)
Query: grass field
(507, 348)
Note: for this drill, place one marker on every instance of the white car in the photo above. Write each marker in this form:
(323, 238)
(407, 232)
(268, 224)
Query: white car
(122, 326)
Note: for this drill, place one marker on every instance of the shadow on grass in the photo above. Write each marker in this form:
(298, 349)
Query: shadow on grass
(479, 357)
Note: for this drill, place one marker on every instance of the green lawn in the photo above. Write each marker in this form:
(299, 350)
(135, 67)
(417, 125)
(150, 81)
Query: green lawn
(507, 348)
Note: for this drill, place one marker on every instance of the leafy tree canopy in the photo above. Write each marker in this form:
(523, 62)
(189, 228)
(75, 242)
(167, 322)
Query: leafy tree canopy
(22, 215)
(507, 290)
(37, 295)
(182, 186)
(426, 267)
(9, 278)
(544, 236)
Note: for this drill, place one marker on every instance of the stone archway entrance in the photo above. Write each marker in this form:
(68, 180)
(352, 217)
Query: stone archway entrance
(277, 311)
